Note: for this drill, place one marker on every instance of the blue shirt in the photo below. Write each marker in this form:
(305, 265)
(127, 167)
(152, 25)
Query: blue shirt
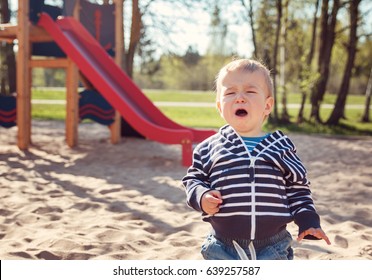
(251, 142)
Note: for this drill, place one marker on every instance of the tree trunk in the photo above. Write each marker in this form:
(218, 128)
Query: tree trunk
(251, 22)
(309, 60)
(135, 35)
(283, 88)
(327, 38)
(275, 55)
(365, 117)
(249, 10)
(252, 28)
(338, 110)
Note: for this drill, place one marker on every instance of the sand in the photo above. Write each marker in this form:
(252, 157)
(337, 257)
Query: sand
(125, 201)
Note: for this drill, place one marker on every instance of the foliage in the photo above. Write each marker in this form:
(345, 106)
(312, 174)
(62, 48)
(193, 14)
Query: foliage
(178, 72)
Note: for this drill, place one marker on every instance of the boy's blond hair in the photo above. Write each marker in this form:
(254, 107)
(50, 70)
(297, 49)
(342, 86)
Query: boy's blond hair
(248, 65)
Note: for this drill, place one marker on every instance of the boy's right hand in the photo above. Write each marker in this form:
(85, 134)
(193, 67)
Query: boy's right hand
(211, 201)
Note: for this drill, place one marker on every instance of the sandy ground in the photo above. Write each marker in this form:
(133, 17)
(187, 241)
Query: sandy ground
(125, 201)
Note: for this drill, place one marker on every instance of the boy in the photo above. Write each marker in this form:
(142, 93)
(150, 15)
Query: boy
(248, 184)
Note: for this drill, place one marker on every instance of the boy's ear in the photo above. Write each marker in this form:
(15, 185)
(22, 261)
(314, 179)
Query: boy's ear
(269, 105)
(218, 105)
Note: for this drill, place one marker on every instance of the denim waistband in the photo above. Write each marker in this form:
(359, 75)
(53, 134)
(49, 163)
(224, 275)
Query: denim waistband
(258, 244)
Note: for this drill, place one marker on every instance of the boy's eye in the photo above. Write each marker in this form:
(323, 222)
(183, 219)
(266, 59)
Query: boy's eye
(229, 92)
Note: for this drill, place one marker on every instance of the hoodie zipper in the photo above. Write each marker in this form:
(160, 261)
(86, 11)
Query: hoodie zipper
(252, 182)
(253, 196)
(251, 173)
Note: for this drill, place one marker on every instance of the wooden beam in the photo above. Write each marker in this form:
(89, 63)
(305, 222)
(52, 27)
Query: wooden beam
(72, 104)
(23, 77)
(116, 126)
(76, 11)
(49, 63)
(9, 32)
(38, 34)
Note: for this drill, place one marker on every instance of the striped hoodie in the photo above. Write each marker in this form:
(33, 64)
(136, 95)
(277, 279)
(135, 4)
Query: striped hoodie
(262, 190)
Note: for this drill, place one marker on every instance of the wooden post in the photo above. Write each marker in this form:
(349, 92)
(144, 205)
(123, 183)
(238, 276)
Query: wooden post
(72, 99)
(116, 126)
(72, 104)
(23, 77)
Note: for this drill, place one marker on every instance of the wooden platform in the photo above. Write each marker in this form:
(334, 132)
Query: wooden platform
(8, 33)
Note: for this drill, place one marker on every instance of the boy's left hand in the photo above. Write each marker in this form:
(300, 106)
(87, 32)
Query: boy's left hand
(317, 232)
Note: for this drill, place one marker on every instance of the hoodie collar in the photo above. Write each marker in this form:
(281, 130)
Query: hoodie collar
(232, 136)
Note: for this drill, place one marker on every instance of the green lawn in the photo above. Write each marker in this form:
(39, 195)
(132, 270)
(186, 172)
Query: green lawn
(209, 117)
(49, 112)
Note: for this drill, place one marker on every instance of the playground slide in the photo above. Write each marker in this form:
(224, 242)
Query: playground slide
(117, 88)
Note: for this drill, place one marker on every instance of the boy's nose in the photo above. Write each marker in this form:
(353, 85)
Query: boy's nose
(240, 97)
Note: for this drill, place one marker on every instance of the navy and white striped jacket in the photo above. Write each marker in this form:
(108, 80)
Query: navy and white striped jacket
(262, 191)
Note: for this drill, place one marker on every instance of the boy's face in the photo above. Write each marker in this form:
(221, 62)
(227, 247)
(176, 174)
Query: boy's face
(244, 101)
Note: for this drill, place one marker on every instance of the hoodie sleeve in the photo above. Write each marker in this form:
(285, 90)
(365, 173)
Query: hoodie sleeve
(298, 191)
(196, 182)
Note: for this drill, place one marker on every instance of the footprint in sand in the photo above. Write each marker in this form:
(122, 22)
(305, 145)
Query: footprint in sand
(55, 193)
(47, 256)
(45, 210)
(23, 255)
(4, 212)
(82, 206)
(110, 191)
(341, 241)
(367, 251)
(366, 237)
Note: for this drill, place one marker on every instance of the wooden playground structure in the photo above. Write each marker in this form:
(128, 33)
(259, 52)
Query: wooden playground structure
(27, 33)
(86, 52)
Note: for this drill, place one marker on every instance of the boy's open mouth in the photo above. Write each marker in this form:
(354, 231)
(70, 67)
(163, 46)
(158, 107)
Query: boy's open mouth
(241, 113)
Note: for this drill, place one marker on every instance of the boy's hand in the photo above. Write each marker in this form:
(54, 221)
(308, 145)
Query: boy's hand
(211, 201)
(317, 232)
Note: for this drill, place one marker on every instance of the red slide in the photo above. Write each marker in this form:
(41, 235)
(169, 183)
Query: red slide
(117, 88)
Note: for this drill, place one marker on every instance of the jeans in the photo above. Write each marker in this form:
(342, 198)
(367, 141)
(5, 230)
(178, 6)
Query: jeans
(214, 249)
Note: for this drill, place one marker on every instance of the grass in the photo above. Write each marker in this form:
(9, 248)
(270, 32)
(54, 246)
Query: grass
(350, 126)
(209, 117)
(51, 94)
(48, 112)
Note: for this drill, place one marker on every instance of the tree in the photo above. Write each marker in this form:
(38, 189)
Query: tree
(250, 17)
(282, 81)
(279, 9)
(218, 32)
(217, 50)
(338, 110)
(146, 50)
(326, 39)
(135, 35)
(365, 117)
(305, 66)
(266, 27)
(191, 57)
